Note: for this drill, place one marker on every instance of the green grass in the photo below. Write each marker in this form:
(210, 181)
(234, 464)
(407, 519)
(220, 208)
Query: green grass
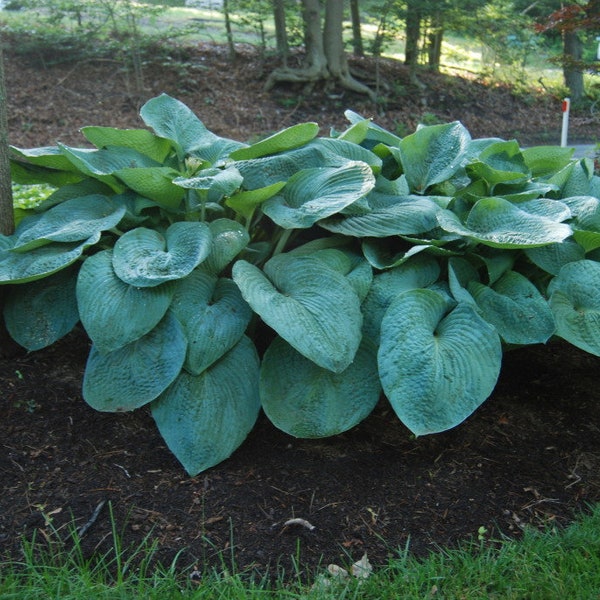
(547, 565)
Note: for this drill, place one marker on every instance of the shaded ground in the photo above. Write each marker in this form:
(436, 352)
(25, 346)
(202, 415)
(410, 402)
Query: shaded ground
(530, 455)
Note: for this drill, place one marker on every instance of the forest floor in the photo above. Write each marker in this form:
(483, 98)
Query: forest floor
(530, 456)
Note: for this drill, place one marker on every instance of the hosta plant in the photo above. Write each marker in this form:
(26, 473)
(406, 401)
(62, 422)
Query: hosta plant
(303, 274)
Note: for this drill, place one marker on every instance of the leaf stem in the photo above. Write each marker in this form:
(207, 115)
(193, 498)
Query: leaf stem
(283, 239)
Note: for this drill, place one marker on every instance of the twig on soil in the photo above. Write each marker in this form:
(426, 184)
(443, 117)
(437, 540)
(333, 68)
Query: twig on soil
(84, 528)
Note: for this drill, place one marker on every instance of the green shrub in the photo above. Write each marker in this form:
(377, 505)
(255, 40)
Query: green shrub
(300, 274)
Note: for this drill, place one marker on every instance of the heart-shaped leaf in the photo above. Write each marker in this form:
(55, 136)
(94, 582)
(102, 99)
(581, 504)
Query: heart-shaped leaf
(311, 306)
(314, 194)
(155, 183)
(144, 258)
(39, 313)
(437, 363)
(498, 223)
(433, 154)
(575, 302)
(113, 312)
(204, 418)
(308, 401)
(137, 373)
(229, 238)
(514, 306)
(214, 317)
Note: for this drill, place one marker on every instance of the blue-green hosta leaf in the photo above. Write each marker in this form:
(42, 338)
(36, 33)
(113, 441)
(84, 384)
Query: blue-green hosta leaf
(384, 253)
(204, 418)
(137, 373)
(375, 133)
(104, 163)
(433, 154)
(173, 120)
(142, 140)
(113, 312)
(517, 310)
(355, 268)
(574, 179)
(263, 172)
(498, 223)
(70, 221)
(388, 215)
(554, 257)
(419, 272)
(314, 194)
(46, 156)
(144, 258)
(460, 274)
(215, 184)
(575, 302)
(286, 139)
(351, 152)
(23, 267)
(80, 189)
(214, 317)
(500, 163)
(229, 238)
(307, 401)
(310, 305)
(155, 183)
(543, 161)
(39, 313)
(436, 365)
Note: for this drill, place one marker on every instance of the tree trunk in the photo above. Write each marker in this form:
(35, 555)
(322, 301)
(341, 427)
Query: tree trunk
(434, 45)
(413, 35)
(324, 50)
(228, 30)
(281, 38)
(7, 223)
(572, 70)
(357, 43)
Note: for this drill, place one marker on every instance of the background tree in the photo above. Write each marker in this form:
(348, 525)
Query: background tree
(325, 59)
(6, 198)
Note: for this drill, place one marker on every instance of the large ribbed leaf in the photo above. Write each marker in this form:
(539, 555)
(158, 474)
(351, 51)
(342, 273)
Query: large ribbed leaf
(142, 140)
(173, 120)
(70, 221)
(514, 306)
(22, 267)
(388, 215)
(204, 418)
(137, 373)
(317, 193)
(113, 312)
(155, 183)
(418, 272)
(433, 154)
(213, 184)
(229, 238)
(500, 163)
(39, 313)
(286, 139)
(498, 223)
(213, 314)
(554, 257)
(308, 401)
(311, 306)
(144, 258)
(575, 301)
(437, 363)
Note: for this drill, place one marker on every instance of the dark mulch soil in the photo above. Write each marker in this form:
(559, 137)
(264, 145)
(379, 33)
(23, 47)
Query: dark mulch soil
(529, 456)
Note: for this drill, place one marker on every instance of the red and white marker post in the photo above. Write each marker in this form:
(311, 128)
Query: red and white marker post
(566, 105)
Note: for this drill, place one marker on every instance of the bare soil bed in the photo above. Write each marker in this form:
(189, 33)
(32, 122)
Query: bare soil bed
(530, 456)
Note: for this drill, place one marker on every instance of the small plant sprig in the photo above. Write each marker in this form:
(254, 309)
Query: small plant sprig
(303, 275)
